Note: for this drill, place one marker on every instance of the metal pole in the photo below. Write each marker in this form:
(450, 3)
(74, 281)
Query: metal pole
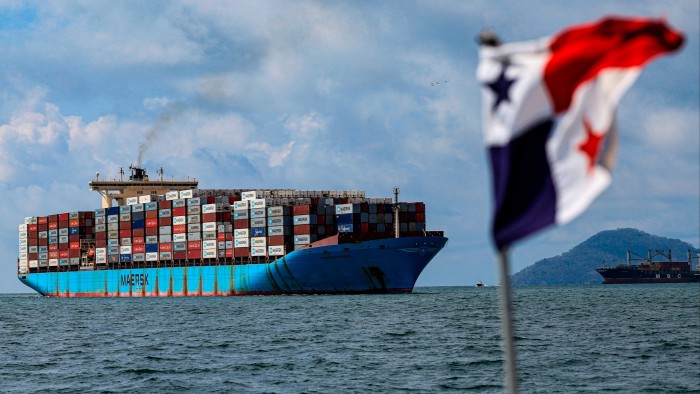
(510, 368)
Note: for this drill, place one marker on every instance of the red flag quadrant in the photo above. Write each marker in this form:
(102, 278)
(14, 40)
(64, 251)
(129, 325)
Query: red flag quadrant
(549, 108)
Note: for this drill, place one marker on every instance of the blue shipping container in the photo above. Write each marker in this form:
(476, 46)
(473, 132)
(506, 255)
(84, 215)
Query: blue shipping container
(151, 248)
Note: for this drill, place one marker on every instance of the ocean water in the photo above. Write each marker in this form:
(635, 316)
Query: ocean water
(625, 338)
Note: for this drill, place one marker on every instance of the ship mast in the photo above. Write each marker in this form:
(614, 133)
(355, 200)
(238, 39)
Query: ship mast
(396, 212)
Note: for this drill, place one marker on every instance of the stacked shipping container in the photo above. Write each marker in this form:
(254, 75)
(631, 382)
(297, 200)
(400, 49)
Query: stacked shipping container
(195, 225)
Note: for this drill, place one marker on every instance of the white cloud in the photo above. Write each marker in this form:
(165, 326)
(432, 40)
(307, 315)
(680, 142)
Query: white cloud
(673, 129)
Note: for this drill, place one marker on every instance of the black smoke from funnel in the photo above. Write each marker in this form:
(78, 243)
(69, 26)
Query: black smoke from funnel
(171, 112)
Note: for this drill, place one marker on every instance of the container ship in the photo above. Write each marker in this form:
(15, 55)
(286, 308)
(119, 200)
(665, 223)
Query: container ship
(161, 238)
(650, 271)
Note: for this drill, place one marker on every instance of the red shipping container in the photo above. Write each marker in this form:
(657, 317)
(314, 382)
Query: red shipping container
(224, 217)
(167, 204)
(364, 228)
(43, 242)
(275, 240)
(62, 224)
(140, 248)
(165, 247)
(138, 241)
(65, 246)
(74, 238)
(33, 228)
(194, 245)
(101, 235)
(181, 211)
(53, 218)
(180, 255)
(240, 223)
(53, 255)
(229, 253)
(74, 223)
(33, 242)
(301, 210)
(53, 225)
(302, 229)
(75, 246)
(138, 232)
(63, 254)
(241, 252)
(100, 243)
(62, 216)
(151, 231)
(208, 217)
(420, 217)
(74, 253)
(53, 248)
(321, 220)
(125, 225)
(124, 233)
(179, 229)
(165, 221)
(151, 214)
(194, 254)
(152, 222)
(42, 220)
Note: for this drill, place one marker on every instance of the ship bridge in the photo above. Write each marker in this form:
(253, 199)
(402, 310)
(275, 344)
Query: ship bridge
(138, 184)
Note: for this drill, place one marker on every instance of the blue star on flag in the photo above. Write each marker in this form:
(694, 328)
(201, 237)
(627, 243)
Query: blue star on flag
(500, 87)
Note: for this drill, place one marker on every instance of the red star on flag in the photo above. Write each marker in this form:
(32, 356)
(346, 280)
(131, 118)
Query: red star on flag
(591, 146)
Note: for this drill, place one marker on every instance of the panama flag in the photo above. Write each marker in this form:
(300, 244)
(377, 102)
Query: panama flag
(549, 117)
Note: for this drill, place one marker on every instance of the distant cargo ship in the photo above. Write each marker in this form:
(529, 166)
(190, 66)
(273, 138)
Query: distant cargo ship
(650, 271)
(168, 238)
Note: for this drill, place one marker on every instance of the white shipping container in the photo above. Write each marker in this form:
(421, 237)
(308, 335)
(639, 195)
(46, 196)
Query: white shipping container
(145, 199)
(194, 219)
(152, 256)
(179, 220)
(125, 250)
(101, 252)
(23, 270)
(251, 195)
(33, 263)
(23, 227)
(208, 244)
(342, 209)
(258, 222)
(257, 203)
(194, 228)
(101, 259)
(23, 256)
(277, 250)
(258, 251)
(240, 205)
(257, 212)
(180, 237)
(23, 248)
(241, 243)
(132, 200)
(194, 209)
(258, 242)
(187, 193)
(209, 226)
(22, 242)
(113, 243)
(302, 239)
(209, 253)
(53, 262)
(241, 233)
(30, 220)
(209, 208)
(23, 262)
(23, 234)
(172, 195)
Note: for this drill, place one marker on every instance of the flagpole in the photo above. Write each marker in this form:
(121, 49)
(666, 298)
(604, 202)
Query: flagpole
(510, 368)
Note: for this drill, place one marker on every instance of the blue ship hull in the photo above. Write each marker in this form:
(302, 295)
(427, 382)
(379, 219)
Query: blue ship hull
(378, 266)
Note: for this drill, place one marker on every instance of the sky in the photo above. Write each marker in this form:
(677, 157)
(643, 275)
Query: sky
(320, 95)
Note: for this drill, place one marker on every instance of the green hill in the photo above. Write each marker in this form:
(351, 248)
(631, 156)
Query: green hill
(577, 266)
